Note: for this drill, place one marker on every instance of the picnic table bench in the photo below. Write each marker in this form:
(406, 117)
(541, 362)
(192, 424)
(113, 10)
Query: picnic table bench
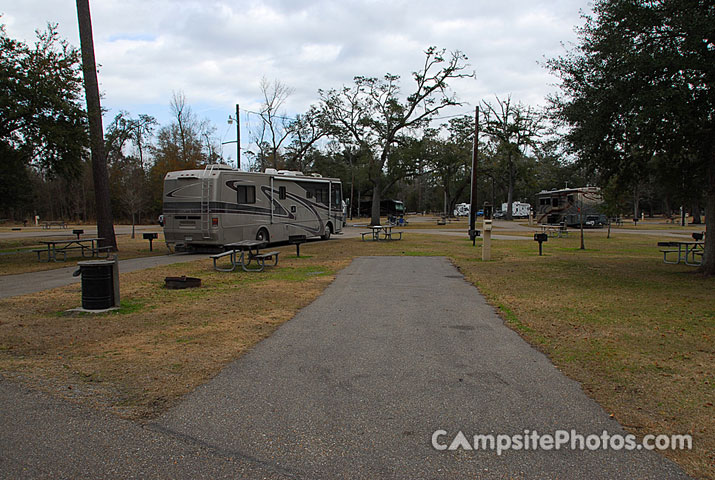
(62, 246)
(687, 252)
(58, 223)
(386, 230)
(243, 253)
(555, 230)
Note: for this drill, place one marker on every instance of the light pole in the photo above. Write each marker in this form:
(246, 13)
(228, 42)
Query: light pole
(238, 137)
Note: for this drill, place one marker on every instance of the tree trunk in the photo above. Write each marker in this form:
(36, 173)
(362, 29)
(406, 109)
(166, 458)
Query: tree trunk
(133, 224)
(375, 212)
(510, 194)
(105, 226)
(708, 267)
(636, 204)
(696, 214)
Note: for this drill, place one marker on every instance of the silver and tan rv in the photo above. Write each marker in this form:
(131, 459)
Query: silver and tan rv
(220, 205)
(557, 206)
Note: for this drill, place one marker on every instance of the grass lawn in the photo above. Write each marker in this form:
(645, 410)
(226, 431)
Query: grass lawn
(638, 334)
(16, 255)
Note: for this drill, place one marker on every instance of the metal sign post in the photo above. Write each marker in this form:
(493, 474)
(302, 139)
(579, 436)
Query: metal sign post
(473, 232)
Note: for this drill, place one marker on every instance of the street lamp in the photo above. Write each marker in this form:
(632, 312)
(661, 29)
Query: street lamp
(238, 137)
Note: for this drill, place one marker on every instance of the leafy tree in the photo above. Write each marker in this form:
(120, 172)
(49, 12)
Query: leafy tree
(306, 130)
(514, 128)
(42, 124)
(639, 84)
(373, 114)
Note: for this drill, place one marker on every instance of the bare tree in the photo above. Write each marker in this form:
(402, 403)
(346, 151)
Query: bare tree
(274, 124)
(105, 224)
(372, 112)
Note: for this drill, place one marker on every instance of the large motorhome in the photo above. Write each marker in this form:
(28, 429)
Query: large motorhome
(220, 205)
(556, 206)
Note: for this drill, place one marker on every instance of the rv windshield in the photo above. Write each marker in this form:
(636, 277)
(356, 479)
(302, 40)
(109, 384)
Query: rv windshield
(337, 195)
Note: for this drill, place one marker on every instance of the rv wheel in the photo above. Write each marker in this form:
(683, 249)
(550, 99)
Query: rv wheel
(262, 235)
(328, 229)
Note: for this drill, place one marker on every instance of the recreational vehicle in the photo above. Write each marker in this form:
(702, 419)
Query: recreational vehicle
(518, 209)
(220, 205)
(461, 210)
(569, 205)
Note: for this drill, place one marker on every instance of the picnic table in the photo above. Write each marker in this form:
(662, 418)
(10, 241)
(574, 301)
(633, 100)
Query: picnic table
(62, 246)
(59, 223)
(243, 253)
(386, 230)
(687, 252)
(554, 230)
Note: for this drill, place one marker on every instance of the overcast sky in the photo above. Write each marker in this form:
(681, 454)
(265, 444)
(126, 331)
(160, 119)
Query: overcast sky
(217, 51)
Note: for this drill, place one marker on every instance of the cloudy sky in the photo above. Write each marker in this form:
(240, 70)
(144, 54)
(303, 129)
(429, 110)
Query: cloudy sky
(217, 51)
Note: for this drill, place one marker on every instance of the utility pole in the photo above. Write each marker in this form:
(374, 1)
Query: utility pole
(238, 139)
(473, 197)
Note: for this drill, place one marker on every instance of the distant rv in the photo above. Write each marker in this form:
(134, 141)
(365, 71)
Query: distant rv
(518, 209)
(461, 210)
(556, 206)
(220, 205)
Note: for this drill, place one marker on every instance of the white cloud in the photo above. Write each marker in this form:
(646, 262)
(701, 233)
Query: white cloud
(217, 51)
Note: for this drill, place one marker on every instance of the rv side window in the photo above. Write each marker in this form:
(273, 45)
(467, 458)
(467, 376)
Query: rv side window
(308, 193)
(321, 195)
(570, 198)
(555, 202)
(246, 194)
(281, 193)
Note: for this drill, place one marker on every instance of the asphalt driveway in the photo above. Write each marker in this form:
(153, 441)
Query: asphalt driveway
(354, 386)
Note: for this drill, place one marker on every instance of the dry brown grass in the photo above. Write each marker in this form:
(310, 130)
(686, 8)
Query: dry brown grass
(636, 333)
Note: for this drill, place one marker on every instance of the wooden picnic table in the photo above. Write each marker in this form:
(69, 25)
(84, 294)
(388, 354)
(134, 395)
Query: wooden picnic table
(243, 253)
(685, 250)
(62, 246)
(386, 232)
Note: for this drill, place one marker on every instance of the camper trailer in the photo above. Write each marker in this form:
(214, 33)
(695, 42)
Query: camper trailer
(461, 210)
(569, 204)
(518, 209)
(220, 205)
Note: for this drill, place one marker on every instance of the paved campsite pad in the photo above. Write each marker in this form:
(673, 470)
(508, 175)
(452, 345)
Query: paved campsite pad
(396, 348)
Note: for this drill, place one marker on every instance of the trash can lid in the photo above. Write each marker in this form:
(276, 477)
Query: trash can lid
(96, 263)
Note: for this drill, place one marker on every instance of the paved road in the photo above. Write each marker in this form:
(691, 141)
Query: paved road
(89, 230)
(24, 283)
(352, 387)
(48, 438)
(396, 348)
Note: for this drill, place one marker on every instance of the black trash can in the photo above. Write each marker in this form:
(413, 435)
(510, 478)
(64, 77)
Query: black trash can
(100, 284)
